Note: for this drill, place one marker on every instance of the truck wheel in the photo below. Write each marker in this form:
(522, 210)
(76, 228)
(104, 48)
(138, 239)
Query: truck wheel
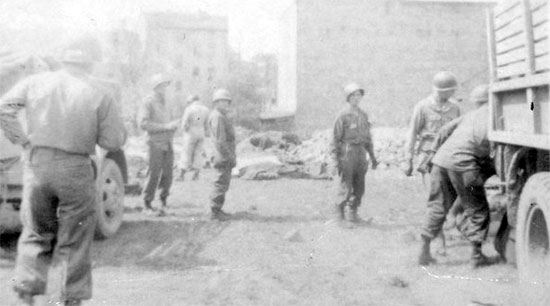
(110, 200)
(533, 235)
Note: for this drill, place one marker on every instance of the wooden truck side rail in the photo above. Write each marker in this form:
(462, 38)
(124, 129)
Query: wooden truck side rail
(518, 36)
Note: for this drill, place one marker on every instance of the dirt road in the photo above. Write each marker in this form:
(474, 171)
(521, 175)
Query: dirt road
(282, 249)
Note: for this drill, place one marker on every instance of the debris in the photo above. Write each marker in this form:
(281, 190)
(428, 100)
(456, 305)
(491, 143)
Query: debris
(397, 281)
(294, 236)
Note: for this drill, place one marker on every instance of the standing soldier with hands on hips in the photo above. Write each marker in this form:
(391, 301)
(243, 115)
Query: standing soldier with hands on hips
(68, 113)
(351, 141)
(223, 138)
(154, 117)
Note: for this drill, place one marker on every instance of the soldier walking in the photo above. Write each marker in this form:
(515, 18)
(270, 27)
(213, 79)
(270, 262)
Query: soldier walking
(195, 128)
(154, 118)
(223, 137)
(351, 141)
(460, 158)
(67, 115)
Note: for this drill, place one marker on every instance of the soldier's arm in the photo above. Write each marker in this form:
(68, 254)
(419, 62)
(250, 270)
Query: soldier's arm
(414, 128)
(10, 105)
(185, 119)
(336, 139)
(219, 136)
(206, 129)
(112, 133)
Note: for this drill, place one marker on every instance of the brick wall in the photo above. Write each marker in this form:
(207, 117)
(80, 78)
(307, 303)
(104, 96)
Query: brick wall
(391, 47)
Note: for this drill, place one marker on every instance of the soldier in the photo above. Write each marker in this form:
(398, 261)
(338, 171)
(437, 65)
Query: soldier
(154, 117)
(67, 114)
(223, 137)
(351, 141)
(459, 172)
(195, 128)
(429, 115)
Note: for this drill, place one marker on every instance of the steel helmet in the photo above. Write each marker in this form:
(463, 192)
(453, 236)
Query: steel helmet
(192, 98)
(480, 94)
(351, 88)
(221, 94)
(158, 79)
(444, 80)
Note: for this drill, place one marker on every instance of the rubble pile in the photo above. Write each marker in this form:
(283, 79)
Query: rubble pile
(309, 158)
(272, 154)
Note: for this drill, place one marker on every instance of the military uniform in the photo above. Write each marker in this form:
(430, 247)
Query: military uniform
(154, 116)
(195, 126)
(223, 138)
(458, 173)
(351, 140)
(66, 116)
(428, 117)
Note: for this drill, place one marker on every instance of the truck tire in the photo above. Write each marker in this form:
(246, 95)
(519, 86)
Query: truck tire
(110, 200)
(533, 235)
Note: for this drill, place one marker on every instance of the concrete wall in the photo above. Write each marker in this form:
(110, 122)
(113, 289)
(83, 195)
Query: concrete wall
(391, 47)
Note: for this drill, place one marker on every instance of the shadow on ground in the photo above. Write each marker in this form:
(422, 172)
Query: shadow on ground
(158, 244)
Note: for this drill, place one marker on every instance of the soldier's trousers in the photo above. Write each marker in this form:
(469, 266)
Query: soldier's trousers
(446, 186)
(222, 178)
(352, 170)
(59, 216)
(192, 150)
(160, 174)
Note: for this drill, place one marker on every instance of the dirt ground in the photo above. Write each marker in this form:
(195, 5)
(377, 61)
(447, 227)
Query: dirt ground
(282, 249)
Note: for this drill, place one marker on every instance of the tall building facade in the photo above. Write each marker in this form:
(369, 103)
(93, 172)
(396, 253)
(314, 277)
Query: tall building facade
(192, 49)
(392, 47)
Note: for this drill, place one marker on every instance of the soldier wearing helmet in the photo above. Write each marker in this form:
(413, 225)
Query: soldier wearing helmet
(223, 138)
(154, 117)
(429, 115)
(194, 124)
(67, 114)
(351, 141)
(461, 164)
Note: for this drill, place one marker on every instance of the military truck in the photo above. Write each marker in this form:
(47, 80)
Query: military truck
(109, 167)
(518, 36)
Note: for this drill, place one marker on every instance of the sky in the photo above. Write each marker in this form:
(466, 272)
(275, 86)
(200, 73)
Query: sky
(253, 24)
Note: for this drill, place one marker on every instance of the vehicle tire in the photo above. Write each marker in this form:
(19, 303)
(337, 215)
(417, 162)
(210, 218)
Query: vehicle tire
(110, 200)
(533, 238)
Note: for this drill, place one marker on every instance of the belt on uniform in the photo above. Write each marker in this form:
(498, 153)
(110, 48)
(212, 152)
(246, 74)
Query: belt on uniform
(55, 152)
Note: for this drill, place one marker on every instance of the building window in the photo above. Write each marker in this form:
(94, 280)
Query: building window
(196, 71)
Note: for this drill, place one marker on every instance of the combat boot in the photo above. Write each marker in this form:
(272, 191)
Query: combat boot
(26, 298)
(219, 215)
(478, 258)
(164, 202)
(425, 257)
(73, 302)
(339, 212)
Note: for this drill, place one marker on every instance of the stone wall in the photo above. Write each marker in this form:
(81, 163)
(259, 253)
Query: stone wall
(392, 47)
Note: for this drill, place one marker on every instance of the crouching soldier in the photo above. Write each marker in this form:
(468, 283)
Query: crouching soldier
(458, 173)
(351, 141)
(223, 138)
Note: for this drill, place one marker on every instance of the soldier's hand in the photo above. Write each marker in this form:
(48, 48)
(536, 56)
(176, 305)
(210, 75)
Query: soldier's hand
(409, 168)
(374, 164)
(172, 126)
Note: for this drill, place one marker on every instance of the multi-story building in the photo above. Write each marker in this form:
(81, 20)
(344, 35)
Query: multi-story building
(391, 47)
(193, 49)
